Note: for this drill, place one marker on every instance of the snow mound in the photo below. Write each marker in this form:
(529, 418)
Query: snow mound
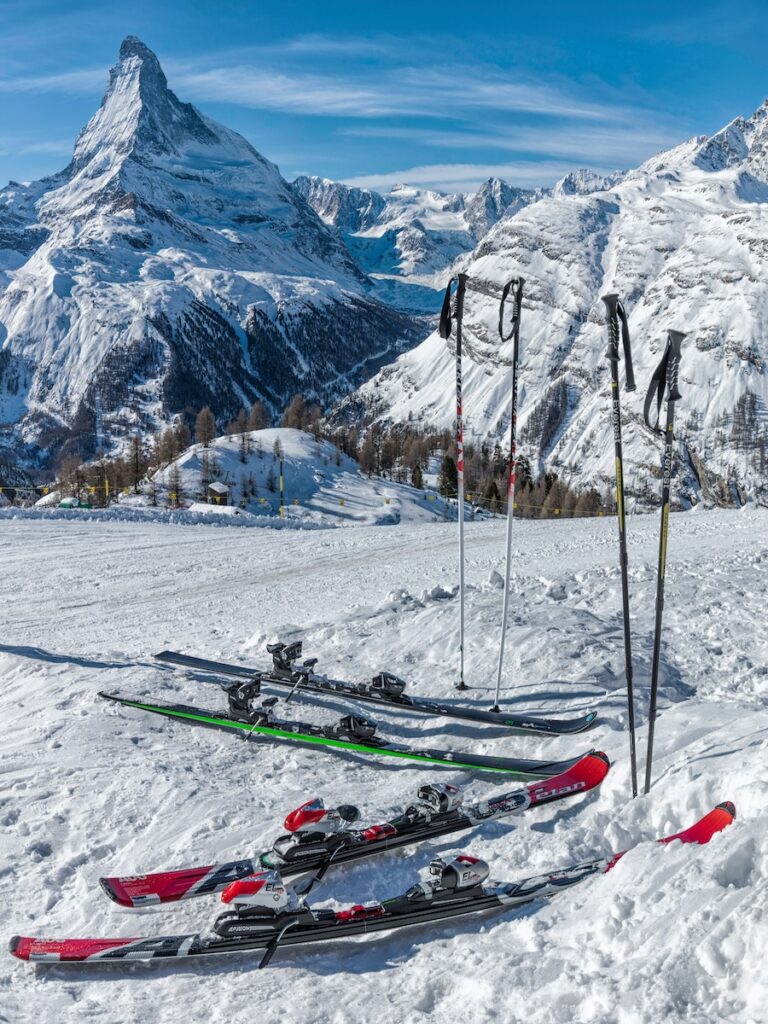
(322, 486)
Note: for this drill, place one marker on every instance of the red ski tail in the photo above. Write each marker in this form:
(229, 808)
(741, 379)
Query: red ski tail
(721, 817)
(51, 950)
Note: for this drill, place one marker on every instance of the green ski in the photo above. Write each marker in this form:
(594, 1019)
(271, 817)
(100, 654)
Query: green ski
(353, 733)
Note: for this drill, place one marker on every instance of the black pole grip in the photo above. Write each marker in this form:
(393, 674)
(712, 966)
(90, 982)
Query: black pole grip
(673, 364)
(445, 313)
(515, 286)
(615, 311)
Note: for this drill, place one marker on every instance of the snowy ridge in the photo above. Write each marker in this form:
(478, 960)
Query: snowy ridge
(170, 266)
(684, 240)
(407, 239)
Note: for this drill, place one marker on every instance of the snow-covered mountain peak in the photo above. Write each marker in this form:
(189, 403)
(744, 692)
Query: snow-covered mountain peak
(169, 266)
(139, 116)
(683, 239)
(584, 182)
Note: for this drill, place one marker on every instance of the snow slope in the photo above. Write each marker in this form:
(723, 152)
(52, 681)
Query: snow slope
(169, 266)
(683, 240)
(317, 490)
(675, 934)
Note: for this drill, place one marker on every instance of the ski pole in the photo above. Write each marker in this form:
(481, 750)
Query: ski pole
(615, 311)
(515, 286)
(445, 332)
(664, 380)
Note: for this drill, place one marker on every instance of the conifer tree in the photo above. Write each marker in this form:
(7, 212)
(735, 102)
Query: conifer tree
(205, 427)
(258, 418)
(448, 481)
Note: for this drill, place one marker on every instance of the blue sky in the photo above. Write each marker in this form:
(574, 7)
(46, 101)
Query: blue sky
(434, 94)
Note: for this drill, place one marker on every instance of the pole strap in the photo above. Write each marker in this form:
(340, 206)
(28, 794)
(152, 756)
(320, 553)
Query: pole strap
(664, 380)
(515, 286)
(616, 312)
(445, 313)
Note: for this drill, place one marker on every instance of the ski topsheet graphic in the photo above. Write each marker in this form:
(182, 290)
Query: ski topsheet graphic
(265, 914)
(385, 690)
(353, 733)
(317, 836)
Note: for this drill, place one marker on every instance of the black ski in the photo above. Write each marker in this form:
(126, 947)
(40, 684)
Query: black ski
(386, 691)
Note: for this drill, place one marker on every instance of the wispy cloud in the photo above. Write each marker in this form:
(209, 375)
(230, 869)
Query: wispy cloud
(57, 147)
(20, 145)
(357, 46)
(70, 82)
(465, 177)
(602, 143)
(401, 92)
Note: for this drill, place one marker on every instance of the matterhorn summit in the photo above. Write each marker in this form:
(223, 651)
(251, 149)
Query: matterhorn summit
(167, 266)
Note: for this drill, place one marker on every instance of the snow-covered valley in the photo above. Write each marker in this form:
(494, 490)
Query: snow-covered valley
(674, 934)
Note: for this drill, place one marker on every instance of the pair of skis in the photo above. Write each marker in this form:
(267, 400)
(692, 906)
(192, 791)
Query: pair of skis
(386, 691)
(265, 914)
(664, 381)
(512, 290)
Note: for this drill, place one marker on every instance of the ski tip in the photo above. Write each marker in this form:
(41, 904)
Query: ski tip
(108, 888)
(13, 946)
(584, 774)
(728, 807)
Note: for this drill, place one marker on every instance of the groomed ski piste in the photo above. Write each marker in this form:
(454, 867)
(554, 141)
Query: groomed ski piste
(673, 933)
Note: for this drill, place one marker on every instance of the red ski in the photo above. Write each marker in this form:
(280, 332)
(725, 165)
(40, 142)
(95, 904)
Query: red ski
(265, 913)
(316, 834)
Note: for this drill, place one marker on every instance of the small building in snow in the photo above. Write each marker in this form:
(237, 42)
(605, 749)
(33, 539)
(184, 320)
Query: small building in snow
(218, 493)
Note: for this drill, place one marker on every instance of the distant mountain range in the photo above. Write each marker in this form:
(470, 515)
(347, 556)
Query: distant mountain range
(684, 239)
(407, 240)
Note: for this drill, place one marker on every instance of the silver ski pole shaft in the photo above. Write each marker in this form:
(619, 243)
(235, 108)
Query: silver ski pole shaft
(445, 332)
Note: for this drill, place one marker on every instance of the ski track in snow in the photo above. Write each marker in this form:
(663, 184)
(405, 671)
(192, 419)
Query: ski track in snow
(672, 934)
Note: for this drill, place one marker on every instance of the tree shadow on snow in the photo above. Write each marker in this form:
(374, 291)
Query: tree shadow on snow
(38, 654)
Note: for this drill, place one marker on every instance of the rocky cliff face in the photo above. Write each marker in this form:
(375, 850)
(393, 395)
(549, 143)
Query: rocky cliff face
(169, 265)
(684, 239)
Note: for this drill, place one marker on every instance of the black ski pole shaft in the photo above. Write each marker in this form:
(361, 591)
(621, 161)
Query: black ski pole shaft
(615, 311)
(274, 943)
(515, 286)
(665, 379)
(445, 332)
